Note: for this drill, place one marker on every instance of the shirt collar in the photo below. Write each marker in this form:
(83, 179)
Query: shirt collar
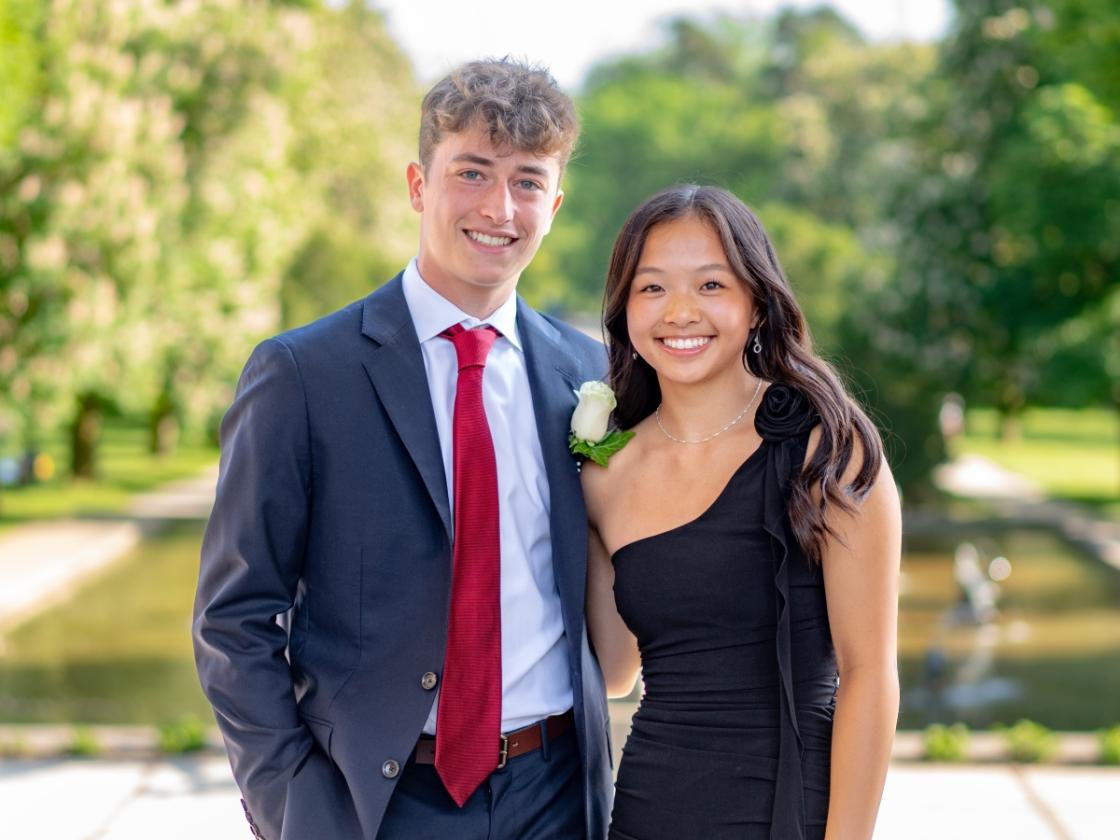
(432, 313)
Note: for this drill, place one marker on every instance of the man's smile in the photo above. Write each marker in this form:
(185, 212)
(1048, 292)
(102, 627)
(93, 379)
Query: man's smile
(490, 240)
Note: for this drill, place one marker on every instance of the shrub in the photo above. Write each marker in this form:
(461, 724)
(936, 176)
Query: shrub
(1109, 740)
(14, 747)
(945, 743)
(1029, 742)
(83, 742)
(186, 734)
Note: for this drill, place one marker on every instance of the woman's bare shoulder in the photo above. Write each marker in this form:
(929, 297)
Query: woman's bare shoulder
(602, 483)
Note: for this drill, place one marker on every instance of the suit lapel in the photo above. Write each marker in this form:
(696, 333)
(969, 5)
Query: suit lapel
(553, 378)
(395, 366)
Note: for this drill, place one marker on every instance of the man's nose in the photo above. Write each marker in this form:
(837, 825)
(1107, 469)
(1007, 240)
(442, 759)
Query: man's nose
(497, 204)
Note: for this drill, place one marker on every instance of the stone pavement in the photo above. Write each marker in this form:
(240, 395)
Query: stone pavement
(135, 793)
(195, 798)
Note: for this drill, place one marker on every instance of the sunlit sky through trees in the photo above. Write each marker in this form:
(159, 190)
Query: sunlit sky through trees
(569, 37)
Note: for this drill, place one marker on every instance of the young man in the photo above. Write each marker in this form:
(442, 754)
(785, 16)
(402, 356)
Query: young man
(397, 476)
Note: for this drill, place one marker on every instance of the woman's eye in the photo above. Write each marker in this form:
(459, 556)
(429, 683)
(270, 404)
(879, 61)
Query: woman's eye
(711, 285)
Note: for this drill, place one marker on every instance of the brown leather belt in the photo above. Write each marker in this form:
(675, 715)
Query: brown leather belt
(516, 743)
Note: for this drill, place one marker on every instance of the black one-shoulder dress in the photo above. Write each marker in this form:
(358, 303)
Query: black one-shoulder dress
(732, 738)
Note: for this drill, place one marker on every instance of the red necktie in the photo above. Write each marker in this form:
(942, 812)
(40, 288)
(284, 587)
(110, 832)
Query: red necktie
(468, 722)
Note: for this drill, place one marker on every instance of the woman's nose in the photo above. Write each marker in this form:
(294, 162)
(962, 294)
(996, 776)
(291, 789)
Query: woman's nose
(681, 309)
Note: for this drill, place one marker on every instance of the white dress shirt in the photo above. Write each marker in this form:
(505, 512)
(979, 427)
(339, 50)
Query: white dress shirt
(535, 681)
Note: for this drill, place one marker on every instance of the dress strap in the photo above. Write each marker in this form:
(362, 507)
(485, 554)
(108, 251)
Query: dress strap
(784, 419)
(788, 817)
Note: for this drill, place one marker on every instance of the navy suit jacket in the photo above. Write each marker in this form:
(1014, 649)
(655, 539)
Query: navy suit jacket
(332, 510)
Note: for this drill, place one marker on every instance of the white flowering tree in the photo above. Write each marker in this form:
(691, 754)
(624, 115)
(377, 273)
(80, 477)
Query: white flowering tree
(97, 182)
(167, 169)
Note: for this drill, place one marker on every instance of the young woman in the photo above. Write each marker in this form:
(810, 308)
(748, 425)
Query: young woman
(744, 548)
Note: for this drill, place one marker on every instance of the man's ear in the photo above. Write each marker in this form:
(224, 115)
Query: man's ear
(415, 176)
(555, 206)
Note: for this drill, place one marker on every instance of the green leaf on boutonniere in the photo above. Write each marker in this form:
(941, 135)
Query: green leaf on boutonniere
(600, 452)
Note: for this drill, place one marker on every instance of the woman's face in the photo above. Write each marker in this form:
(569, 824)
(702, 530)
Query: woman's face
(687, 313)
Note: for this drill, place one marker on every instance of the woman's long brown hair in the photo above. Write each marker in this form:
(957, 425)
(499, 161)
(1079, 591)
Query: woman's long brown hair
(787, 355)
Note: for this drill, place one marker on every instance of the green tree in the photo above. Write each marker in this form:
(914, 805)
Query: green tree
(803, 120)
(358, 109)
(672, 115)
(1014, 210)
(97, 178)
(174, 167)
(20, 49)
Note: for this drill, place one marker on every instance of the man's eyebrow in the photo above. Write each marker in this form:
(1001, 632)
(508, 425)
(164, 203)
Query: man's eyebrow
(468, 157)
(533, 169)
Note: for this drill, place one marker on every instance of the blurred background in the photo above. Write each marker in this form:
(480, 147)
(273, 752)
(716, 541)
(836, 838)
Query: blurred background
(179, 180)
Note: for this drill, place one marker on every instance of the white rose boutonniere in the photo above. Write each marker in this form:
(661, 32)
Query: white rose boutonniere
(591, 435)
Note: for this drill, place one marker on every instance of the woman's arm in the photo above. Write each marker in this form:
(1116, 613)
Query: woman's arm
(861, 584)
(614, 644)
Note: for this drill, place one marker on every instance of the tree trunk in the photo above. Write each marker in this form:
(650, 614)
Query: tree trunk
(85, 432)
(1010, 427)
(163, 426)
(1010, 406)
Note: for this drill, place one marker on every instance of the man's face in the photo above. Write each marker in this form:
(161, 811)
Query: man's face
(483, 213)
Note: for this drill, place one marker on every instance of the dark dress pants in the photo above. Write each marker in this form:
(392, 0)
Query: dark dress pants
(536, 796)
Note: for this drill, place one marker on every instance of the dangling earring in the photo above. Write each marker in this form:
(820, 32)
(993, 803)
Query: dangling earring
(634, 355)
(756, 348)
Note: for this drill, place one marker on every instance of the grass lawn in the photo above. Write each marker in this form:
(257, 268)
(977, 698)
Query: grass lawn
(1071, 454)
(125, 468)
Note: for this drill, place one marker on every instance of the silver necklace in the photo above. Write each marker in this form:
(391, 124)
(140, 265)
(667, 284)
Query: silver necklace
(740, 416)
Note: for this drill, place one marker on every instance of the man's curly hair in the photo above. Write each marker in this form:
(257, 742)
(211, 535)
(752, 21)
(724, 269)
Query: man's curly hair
(520, 105)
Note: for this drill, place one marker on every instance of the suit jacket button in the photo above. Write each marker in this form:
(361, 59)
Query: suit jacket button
(390, 769)
(428, 681)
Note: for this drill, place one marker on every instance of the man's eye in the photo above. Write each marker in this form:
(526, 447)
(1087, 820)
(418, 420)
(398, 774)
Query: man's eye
(472, 174)
(529, 185)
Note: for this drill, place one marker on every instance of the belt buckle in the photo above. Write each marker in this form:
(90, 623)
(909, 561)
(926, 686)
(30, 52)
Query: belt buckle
(503, 751)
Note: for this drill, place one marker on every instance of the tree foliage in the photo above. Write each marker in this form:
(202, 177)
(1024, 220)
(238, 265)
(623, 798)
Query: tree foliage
(174, 167)
(946, 214)
(179, 179)
(799, 117)
(1015, 221)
